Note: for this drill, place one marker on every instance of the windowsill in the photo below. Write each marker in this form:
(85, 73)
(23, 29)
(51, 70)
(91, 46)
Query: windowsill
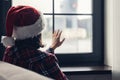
(87, 70)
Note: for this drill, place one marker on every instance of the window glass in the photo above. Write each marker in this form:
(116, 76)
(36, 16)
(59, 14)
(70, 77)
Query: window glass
(43, 5)
(73, 6)
(77, 30)
(47, 32)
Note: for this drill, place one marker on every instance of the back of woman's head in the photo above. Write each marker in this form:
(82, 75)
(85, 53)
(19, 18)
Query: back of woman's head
(22, 22)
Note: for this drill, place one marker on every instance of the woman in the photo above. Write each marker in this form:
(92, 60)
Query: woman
(24, 25)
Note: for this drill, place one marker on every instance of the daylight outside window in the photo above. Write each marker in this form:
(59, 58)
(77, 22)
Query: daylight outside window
(73, 17)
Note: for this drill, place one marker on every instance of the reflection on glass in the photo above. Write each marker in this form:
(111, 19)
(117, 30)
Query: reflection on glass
(43, 5)
(73, 6)
(78, 33)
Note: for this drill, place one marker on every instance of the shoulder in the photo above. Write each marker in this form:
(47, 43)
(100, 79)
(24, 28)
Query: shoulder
(47, 57)
(10, 49)
(51, 56)
(37, 56)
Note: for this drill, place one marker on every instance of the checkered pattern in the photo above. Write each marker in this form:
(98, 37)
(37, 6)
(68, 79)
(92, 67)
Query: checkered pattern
(44, 63)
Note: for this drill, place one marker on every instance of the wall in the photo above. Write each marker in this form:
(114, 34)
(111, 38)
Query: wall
(1, 28)
(112, 37)
(4, 6)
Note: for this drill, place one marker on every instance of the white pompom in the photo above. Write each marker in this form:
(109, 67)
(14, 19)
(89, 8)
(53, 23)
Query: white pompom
(7, 41)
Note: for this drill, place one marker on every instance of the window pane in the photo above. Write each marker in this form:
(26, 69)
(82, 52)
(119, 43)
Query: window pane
(43, 5)
(73, 6)
(47, 32)
(78, 33)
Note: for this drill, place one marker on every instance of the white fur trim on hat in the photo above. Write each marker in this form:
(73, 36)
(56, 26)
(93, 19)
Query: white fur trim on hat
(23, 32)
(7, 41)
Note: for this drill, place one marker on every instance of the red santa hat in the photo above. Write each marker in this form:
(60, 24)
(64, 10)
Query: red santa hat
(22, 22)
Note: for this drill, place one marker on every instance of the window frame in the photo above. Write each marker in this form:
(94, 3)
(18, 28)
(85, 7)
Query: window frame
(97, 56)
(85, 59)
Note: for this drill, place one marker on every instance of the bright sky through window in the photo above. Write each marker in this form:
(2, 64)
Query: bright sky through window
(77, 29)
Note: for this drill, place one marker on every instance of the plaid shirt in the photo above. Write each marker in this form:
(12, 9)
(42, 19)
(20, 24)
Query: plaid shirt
(44, 63)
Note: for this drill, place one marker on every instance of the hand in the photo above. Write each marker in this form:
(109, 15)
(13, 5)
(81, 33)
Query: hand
(56, 39)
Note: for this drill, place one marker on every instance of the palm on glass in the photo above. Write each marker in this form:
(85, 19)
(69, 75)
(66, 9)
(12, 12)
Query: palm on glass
(56, 42)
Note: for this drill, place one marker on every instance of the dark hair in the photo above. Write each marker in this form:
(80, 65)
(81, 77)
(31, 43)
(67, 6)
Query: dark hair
(40, 41)
(35, 42)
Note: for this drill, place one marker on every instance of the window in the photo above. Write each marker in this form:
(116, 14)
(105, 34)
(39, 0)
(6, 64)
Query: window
(82, 24)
